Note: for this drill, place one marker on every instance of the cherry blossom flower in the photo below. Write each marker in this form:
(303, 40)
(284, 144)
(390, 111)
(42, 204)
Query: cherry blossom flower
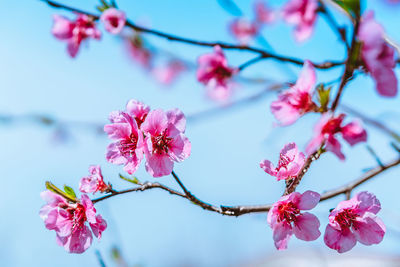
(169, 73)
(243, 30)
(295, 102)
(378, 55)
(114, 20)
(355, 220)
(94, 182)
(165, 141)
(75, 32)
(290, 163)
(329, 127)
(214, 72)
(68, 220)
(139, 52)
(128, 146)
(285, 218)
(263, 13)
(303, 14)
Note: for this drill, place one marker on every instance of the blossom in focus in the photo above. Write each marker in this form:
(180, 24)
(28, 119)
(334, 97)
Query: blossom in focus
(138, 51)
(355, 220)
(296, 101)
(165, 142)
(68, 220)
(128, 146)
(290, 163)
(113, 20)
(169, 73)
(243, 30)
(137, 110)
(378, 55)
(329, 127)
(94, 182)
(74, 32)
(214, 72)
(263, 14)
(285, 218)
(302, 14)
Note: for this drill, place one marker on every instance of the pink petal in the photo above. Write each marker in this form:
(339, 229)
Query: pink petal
(353, 133)
(155, 123)
(341, 241)
(307, 78)
(369, 230)
(177, 118)
(308, 200)
(118, 130)
(306, 227)
(281, 234)
(268, 167)
(159, 165)
(368, 202)
(99, 226)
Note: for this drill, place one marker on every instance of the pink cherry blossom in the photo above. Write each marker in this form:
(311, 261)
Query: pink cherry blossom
(329, 127)
(75, 32)
(169, 73)
(355, 220)
(263, 13)
(94, 182)
(214, 72)
(114, 20)
(243, 30)
(139, 52)
(137, 110)
(302, 14)
(290, 163)
(165, 141)
(285, 218)
(68, 220)
(295, 102)
(378, 55)
(128, 146)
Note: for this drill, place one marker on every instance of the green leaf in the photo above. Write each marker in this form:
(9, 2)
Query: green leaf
(69, 191)
(352, 7)
(51, 187)
(323, 97)
(133, 181)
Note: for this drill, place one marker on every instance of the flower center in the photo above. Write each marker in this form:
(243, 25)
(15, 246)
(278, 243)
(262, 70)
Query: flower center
(346, 218)
(288, 212)
(332, 126)
(114, 21)
(160, 143)
(128, 146)
(283, 161)
(301, 101)
(221, 73)
(78, 217)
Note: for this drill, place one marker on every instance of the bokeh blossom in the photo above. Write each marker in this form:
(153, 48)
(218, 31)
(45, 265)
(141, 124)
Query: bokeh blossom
(113, 20)
(243, 30)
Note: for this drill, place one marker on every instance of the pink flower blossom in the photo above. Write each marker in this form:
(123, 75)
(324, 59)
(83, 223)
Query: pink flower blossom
(329, 127)
(165, 141)
(169, 73)
(355, 220)
(128, 146)
(75, 32)
(94, 182)
(68, 220)
(114, 20)
(295, 102)
(263, 13)
(378, 55)
(285, 218)
(139, 52)
(290, 163)
(243, 30)
(214, 72)
(303, 14)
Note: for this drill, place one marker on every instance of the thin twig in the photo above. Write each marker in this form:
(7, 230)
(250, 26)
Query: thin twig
(171, 37)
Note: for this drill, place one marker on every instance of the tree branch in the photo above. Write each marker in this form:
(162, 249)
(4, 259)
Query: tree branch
(171, 37)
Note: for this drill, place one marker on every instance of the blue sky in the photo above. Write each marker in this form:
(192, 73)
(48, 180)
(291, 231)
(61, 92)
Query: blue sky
(154, 228)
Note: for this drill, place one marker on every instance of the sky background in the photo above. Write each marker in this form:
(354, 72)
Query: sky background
(154, 228)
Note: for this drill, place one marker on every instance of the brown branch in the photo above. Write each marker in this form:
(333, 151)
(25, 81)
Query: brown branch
(171, 37)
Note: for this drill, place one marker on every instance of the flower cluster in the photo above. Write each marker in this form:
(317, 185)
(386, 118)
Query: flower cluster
(70, 221)
(302, 14)
(139, 131)
(351, 221)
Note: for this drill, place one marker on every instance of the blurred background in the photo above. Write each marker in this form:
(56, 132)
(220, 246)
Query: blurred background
(154, 228)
